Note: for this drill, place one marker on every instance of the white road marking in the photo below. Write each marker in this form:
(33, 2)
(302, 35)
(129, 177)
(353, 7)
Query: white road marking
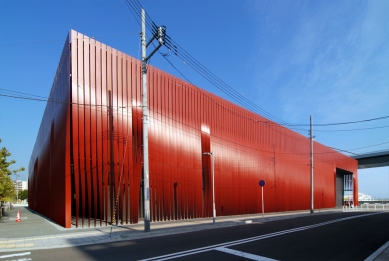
(19, 254)
(243, 254)
(20, 259)
(251, 239)
(377, 252)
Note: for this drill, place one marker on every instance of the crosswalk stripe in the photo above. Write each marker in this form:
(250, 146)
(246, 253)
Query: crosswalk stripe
(243, 254)
(13, 255)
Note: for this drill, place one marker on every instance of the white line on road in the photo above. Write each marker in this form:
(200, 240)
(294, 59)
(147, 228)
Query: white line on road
(20, 259)
(243, 254)
(378, 252)
(251, 239)
(19, 254)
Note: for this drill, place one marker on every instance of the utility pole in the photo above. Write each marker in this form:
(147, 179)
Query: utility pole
(311, 162)
(159, 34)
(213, 185)
(213, 188)
(275, 178)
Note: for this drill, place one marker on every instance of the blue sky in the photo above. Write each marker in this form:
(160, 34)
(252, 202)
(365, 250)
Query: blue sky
(328, 59)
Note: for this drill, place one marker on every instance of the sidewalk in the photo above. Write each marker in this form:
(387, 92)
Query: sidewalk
(36, 232)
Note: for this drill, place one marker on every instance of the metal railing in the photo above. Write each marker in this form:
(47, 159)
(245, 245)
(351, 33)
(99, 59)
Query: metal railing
(367, 207)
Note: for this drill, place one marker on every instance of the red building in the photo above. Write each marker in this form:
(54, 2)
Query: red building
(88, 150)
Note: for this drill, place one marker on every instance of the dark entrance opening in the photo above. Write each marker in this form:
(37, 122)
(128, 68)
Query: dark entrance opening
(344, 187)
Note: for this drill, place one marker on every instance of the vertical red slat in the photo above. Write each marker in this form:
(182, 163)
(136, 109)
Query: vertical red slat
(93, 140)
(99, 136)
(105, 132)
(81, 124)
(110, 186)
(120, 136)
(75, 121)
(87, 122)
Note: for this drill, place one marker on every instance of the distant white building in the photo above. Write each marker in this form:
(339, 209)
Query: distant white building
(364, 197)
(20, 185)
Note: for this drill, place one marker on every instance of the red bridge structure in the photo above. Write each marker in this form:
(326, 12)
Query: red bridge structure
(88, 157)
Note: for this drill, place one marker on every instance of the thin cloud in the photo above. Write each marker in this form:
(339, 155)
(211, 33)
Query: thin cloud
(333, 67)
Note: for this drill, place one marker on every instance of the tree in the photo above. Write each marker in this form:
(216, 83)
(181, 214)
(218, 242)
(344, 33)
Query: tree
(23, 194)
(7, 191)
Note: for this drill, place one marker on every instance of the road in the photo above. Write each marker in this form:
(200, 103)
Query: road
(335, 236)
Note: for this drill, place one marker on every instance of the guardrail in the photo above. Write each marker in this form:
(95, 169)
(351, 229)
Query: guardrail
(382, 201)
(367, 207)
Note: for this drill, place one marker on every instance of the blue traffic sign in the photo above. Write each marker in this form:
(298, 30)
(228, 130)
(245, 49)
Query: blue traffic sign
(262, 183)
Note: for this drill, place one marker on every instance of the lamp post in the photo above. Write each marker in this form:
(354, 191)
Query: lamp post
(213, 185)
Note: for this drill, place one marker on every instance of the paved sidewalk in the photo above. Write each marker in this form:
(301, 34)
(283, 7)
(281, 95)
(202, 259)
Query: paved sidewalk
(36, 232)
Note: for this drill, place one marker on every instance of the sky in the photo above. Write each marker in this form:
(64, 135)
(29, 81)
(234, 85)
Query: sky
(294, 59)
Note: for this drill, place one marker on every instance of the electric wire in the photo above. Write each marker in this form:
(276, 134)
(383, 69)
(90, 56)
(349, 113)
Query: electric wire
(208, 75)
(188, 132)
(54, 41)
(343, 123)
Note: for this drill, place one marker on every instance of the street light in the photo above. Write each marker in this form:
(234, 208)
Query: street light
(213, 185)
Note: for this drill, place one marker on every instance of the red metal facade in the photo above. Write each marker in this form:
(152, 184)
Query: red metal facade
(88, 155)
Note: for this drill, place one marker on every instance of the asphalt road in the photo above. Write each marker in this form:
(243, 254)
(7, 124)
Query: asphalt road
(337, 236)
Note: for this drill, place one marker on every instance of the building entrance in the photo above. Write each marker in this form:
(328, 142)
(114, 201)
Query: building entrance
(344, 187)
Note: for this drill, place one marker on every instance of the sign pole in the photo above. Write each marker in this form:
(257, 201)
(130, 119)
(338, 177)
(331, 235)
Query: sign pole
(262, 184)
(263, 204)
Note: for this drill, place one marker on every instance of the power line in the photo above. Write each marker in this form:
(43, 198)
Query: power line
(190, 61)
(360, 148)
(203, 71)
(343, 123)
(54, 41)
(44, 99)
(104, 134)
(380, 127)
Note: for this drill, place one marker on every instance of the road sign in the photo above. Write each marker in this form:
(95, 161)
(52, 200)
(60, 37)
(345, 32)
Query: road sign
(262, 183)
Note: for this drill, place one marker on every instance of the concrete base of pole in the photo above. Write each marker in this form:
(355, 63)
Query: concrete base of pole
(147, 226)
